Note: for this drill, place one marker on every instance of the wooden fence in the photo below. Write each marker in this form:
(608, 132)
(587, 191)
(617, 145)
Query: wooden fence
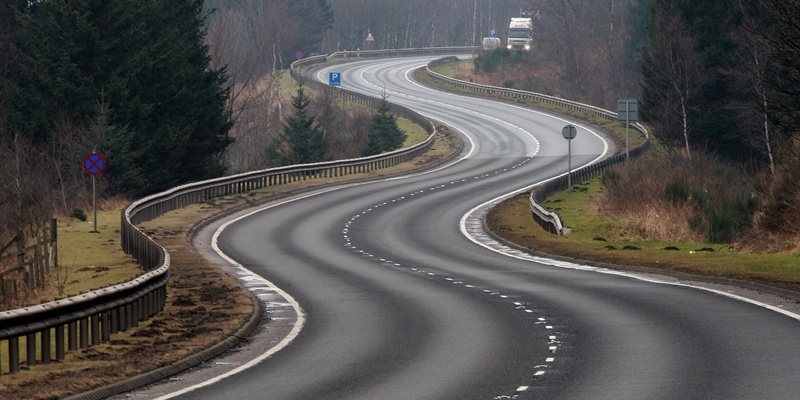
(29, 263)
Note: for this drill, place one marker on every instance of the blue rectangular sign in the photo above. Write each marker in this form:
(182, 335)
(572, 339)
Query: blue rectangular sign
(335, 79)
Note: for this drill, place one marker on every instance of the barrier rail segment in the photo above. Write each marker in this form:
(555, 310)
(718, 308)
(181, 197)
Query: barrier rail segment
(549, 220)
(48, 330)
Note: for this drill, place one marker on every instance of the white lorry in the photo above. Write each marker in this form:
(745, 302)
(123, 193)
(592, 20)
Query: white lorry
(519, 35)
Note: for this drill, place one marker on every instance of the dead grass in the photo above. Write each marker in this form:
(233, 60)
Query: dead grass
(599, 238)
(204, 305)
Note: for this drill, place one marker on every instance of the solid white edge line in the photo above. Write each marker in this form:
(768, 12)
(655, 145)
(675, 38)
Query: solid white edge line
(299, 322)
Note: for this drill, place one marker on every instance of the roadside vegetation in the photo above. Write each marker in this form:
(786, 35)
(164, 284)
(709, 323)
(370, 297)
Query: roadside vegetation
(716, 195)
(698, 216)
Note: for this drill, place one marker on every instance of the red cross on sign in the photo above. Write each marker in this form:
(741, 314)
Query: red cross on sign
(94, 163)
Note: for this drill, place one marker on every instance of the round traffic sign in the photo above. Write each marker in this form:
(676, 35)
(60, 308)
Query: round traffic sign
(94, 163)
(569, 132)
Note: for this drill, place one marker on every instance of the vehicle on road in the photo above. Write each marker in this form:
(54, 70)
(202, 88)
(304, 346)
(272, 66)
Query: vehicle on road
(519, 35)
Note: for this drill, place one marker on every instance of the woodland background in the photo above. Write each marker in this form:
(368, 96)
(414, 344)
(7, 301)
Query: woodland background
(173, 91)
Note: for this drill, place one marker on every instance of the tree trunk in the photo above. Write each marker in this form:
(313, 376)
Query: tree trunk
(685, 127)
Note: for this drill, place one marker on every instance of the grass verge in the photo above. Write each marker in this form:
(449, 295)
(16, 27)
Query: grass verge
(600, 239)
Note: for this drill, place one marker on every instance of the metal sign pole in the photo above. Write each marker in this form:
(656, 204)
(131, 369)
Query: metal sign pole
(94, 205)
(627, 131)
(569, 132)
(94, 163)
(627, 112)
(569, 164)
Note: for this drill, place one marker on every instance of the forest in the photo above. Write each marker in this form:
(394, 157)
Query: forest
(181, 90)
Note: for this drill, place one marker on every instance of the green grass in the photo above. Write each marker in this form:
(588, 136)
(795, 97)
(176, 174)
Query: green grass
(448, 69)
(415, 133)
(597, 238)
(93, 260)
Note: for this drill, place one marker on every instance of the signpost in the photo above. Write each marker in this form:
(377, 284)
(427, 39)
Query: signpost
(370, 40)
(335, 79)
(569, 132)
(94, 164)
(627, 112)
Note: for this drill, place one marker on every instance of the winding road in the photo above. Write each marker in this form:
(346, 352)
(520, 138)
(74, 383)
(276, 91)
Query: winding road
(402, 295)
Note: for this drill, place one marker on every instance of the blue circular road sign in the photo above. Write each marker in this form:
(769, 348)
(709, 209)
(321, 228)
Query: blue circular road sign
(94, 163)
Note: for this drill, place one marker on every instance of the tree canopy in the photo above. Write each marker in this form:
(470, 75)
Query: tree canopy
(144, 60)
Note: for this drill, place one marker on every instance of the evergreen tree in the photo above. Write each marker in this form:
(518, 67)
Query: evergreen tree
(317, 18)
(147, 59)
(302, 140)
(384, 134)
(114, 142)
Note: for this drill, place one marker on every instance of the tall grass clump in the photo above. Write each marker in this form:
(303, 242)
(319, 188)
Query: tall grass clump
(671, 198)
(497, 60)
(776, 224)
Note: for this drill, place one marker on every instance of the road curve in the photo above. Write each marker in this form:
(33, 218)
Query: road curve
(400, 303)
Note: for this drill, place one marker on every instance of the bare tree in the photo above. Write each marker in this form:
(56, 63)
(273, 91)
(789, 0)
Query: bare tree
(673, 63)
(783, 41)
(251, 40)
(25, 189)
(751, 76)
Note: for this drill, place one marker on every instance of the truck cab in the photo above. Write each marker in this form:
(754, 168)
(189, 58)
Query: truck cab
(519, 35)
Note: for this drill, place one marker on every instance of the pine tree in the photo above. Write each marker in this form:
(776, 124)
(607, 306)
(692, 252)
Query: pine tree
(302, 140)
(384, 134)
(147, 59)
(114, 142)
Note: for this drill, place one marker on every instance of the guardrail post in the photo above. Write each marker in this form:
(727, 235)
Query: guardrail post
(128, 316)
(95, 321)
(134, 317)
(72, 336)
(84, 332)
(60, 352)
(115, 320)
(30, 344)
(13, 355)
(45, 346)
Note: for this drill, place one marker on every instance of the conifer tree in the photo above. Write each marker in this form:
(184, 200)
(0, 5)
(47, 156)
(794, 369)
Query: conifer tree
(302, 140)
(384, 134)
(147, 59)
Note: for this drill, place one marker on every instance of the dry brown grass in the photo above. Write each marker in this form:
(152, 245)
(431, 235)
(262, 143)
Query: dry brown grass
(673, 198)
(660, 220)
(776, 226)
(204, 305)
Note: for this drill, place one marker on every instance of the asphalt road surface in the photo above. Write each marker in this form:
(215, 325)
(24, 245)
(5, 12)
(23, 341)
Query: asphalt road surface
(403, 297)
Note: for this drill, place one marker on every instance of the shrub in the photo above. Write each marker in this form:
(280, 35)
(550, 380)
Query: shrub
(724, 223)
(676, 192)
(704, 195)
(78, 213)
